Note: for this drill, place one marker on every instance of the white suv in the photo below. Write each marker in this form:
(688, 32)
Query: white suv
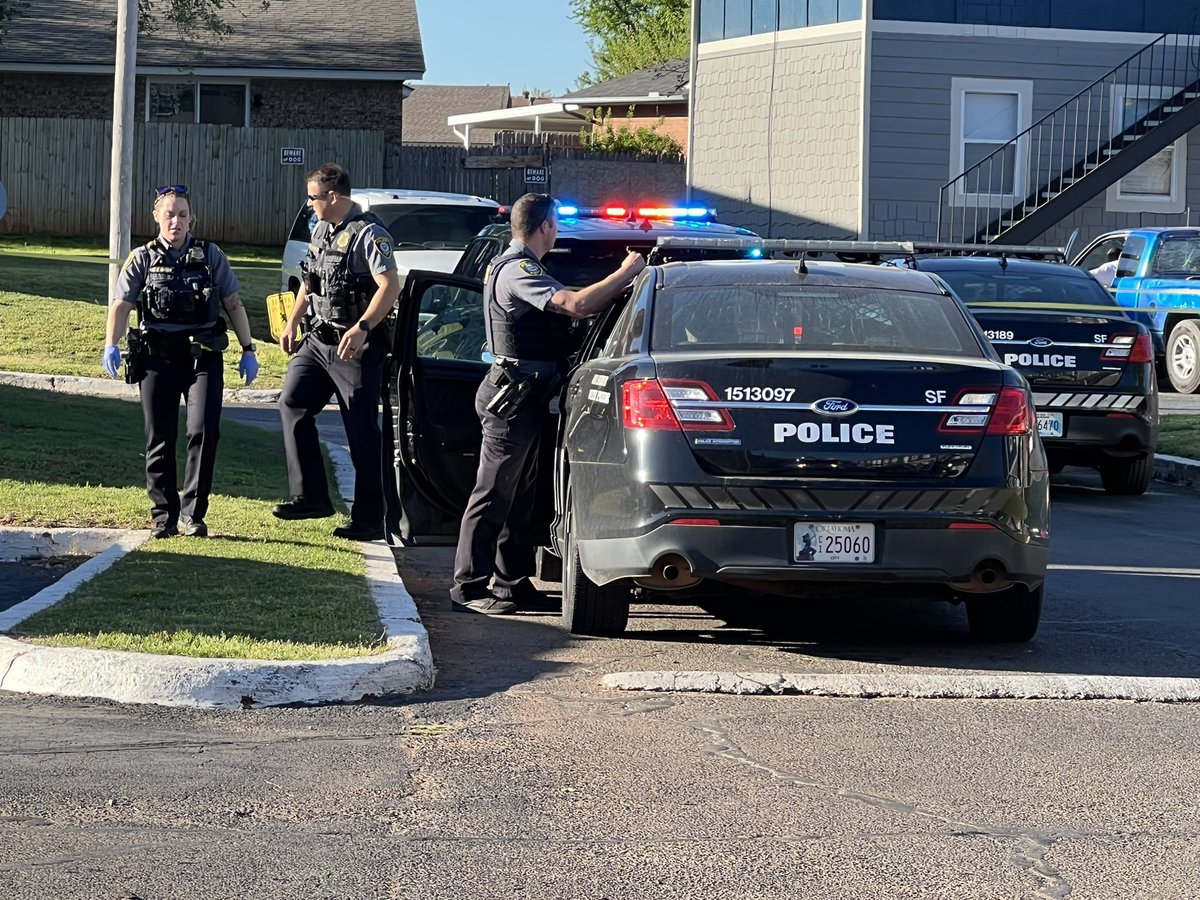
(429, 229)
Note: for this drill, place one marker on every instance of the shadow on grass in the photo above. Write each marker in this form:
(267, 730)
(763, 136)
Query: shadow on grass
(232, 600)
(57, 439)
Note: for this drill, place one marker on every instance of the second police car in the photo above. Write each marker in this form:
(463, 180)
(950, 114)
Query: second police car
(797, 428)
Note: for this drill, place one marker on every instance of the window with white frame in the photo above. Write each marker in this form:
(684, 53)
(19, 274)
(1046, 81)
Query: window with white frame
(985, 115)
(1157, 185)
(198, 102)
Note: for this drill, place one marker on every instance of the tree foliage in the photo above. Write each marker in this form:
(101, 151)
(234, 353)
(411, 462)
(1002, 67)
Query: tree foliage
(602, 135)
(190, 18)
(627, 35)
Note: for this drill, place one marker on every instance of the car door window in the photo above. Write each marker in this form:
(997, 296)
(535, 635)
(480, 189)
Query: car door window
(1098, 255)
(1131, 253)
(450, 325)
(476, 257)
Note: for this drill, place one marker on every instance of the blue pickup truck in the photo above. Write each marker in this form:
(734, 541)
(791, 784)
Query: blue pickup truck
(1158, 275)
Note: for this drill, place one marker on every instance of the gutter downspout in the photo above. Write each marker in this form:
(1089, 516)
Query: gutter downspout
(691, 106)
(864, 131)
(464, 136)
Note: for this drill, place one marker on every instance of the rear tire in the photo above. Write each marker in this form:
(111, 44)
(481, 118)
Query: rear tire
(1009, 616)
(1183, 356)
(1127, 476)
(589, 608)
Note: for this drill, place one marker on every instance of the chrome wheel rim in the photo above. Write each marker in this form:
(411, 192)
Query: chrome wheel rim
(1183, 357)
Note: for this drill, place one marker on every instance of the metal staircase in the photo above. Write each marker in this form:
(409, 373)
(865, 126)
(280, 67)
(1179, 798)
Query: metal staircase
(1076, 151)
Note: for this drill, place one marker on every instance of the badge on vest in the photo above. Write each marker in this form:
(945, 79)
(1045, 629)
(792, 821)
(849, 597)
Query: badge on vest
(343, 241)
(196, 254)
(529, 267)
(384, 246)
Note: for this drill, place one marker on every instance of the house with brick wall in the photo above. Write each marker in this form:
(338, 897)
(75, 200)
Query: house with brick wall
(291, 65)
(1003, 120)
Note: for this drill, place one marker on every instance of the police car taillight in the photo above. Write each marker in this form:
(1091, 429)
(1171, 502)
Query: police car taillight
(671, 405)
(1134, 348)
(976, 406)
(1013, 413)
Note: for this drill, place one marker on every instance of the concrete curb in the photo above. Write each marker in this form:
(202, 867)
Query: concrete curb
(1177, 470)
(112, 387)
(917, 687)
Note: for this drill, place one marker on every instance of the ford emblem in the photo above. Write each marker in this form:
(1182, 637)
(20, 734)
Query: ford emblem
(835, 406)
(1041, 342)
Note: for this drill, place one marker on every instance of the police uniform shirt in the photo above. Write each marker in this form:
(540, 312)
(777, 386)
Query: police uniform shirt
(133, 275)
(522, 286)
(372, 253)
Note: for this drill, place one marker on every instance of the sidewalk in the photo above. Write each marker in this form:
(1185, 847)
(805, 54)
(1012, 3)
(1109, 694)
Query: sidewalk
(406, 666)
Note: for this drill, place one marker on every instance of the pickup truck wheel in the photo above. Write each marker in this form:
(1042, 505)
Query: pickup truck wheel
(1127, 476)
(589, 608)
(1010, 616)
(1183, 356)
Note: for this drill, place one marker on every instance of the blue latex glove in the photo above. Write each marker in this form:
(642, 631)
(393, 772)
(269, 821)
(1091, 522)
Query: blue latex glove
(248, 368)
(110, 358)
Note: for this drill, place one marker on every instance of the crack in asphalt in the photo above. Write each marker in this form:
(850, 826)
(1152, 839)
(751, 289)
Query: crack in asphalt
(1030, 846)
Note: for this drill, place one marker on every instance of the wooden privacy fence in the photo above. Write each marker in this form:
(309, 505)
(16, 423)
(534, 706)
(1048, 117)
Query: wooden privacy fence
(499, 172)
(56, 172)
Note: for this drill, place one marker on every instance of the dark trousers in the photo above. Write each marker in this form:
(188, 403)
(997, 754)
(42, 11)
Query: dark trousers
(314, 376)
(494, 538)
(200, 381)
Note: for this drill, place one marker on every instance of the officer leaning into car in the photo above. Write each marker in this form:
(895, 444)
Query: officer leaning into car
(178, 285)
(349, 288)
(527, 314)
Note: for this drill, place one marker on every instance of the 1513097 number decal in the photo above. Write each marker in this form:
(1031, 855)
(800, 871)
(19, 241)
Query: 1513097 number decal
(760, 394)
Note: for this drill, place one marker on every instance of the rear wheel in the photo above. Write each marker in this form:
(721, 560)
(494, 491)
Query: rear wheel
(1009, 616)
(589, 608)
(1183, 356)
(1127, 476)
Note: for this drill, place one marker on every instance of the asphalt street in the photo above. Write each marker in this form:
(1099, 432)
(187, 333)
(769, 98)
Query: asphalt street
(520, 775)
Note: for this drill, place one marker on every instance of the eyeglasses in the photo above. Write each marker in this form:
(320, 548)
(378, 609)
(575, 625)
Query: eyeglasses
(320, 196)
(163, 189)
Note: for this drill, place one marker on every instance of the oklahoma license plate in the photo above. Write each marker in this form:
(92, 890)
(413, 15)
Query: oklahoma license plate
(835, 542)
(1050, 424)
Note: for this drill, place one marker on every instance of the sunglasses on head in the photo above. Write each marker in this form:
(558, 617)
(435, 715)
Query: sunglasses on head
(163, 189)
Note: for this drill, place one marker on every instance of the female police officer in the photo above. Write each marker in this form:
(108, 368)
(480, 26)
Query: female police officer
(175, 282)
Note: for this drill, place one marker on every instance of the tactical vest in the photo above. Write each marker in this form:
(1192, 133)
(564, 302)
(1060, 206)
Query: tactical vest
(179, 293)
(337, 296)
(535, 334)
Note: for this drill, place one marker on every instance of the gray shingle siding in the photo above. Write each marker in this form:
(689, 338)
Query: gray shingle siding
(776, 137)
(910, 155)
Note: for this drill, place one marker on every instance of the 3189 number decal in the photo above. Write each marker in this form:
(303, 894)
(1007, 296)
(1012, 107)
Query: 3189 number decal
(760, 394)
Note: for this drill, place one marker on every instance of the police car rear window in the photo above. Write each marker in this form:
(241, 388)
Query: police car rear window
(1026, 287)
(579, 263)
(437, 226)
(772, 317)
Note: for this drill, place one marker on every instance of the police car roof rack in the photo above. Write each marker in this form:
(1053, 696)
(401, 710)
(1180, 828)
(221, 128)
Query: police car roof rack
(864, 251)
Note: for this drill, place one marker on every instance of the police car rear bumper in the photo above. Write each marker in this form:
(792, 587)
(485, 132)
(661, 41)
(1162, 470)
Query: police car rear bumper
(1102, 433)
(740, 553)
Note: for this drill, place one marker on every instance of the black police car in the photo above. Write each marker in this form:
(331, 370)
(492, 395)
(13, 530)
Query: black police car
(798, 429)
(1090, 365)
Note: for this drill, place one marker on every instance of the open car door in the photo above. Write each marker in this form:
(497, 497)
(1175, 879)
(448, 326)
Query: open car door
(431, 433)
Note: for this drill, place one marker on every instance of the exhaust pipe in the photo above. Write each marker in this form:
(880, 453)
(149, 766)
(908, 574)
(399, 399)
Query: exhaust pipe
(669, 572)
(987, 577)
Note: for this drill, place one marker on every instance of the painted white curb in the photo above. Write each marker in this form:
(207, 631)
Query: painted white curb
(931, 687)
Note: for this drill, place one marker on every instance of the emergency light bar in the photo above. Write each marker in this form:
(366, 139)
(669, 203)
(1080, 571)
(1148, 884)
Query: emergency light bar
(630, 214)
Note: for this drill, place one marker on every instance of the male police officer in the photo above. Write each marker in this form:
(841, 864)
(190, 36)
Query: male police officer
(350, 286)
(527, 313)
(175, 283)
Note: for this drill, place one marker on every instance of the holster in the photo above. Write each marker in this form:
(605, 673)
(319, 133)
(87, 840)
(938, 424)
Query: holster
(515, 392)
(135, 357)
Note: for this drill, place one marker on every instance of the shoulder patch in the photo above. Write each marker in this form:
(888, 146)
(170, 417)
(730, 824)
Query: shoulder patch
(529, 267)
(129, 259)
(384, 246)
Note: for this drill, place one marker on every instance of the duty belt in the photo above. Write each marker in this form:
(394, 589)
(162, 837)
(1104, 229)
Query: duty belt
(326, 332)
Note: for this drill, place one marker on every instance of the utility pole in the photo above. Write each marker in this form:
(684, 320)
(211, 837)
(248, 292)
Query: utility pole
(121, 166)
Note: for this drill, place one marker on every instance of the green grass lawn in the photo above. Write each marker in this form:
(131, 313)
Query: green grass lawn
(53, 309)
(258, 588)
(1180, 436)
